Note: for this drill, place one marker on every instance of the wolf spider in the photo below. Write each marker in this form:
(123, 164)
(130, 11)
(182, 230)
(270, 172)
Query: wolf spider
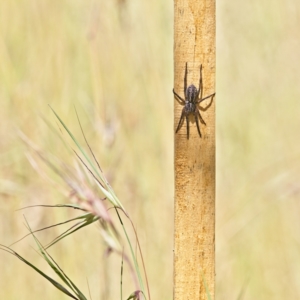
(190, 103)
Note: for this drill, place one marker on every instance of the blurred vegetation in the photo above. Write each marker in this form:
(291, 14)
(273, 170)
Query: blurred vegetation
(258, 150)
(113, 61)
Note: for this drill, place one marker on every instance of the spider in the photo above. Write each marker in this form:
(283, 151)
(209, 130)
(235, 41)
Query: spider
(191, 101)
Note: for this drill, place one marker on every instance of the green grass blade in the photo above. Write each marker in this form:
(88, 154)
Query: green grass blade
(109, 191)
(47, 227)
(132, 254)
(89, 220)
(121, 283)
(206, 287)
(55, 267)
(77, 143)
(55, 283)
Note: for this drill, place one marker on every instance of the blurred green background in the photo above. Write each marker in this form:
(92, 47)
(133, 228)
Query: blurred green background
(113, 60)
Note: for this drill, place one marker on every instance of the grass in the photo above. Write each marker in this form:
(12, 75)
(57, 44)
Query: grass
(94, 209)
(50, 58)
(115, 64)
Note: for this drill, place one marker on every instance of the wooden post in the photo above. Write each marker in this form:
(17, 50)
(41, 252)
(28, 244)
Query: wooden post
(194, 158)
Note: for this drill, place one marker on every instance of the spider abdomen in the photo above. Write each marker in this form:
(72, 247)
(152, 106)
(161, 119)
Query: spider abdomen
(189, 108)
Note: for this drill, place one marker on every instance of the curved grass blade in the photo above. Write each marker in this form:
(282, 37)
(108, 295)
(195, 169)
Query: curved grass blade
(76, 142)
(106, 190)
(109, 191)
(56, 268)
(140, 250)
(55, 283)
(135, 295)
(75, 206)
(121, 283)
(206, 288)
(132, 254)
(88, 219)
(45, 228)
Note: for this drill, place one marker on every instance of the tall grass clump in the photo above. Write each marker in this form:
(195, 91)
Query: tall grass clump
(113, 61)
(97, 202)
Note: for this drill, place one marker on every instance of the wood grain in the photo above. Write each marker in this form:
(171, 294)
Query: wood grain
(194, 159)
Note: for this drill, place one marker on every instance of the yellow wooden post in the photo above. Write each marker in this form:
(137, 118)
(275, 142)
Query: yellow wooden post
(194, 241)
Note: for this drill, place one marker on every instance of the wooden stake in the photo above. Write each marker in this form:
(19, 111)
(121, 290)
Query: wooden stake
(194, 240)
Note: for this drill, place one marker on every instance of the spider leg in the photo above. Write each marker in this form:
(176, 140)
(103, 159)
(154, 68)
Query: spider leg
(180, 121)
(185, 80)
(197, 123)
(200, 89)
(178, 98)
(200, 117)
(201, 99)
(187, 126)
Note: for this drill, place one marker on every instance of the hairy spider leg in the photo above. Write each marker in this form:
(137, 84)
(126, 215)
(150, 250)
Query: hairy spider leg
(200, 89)
(187, 125)
(177, 97)
(185, 80)
(201, 120)
(200, 100)
(180, 121)
(197, 121)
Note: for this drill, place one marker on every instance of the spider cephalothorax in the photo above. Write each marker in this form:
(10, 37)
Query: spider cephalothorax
(192, 97)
